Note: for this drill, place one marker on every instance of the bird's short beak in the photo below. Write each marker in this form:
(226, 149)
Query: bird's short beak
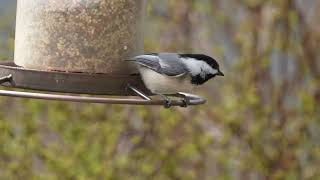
(220, 73)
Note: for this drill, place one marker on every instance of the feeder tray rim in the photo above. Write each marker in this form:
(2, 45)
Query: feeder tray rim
(8, 63)
(64, 82)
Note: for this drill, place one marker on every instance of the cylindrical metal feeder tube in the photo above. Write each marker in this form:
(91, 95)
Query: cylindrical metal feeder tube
(93, 36)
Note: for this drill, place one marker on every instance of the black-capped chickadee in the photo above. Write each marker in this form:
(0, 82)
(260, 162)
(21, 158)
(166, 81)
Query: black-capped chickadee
(171, 73)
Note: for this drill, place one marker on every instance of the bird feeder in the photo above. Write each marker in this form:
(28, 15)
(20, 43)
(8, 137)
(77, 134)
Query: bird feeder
(78, 46)
(88, 36)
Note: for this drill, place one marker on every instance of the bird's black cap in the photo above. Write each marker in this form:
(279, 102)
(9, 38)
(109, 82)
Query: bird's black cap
(209, 60)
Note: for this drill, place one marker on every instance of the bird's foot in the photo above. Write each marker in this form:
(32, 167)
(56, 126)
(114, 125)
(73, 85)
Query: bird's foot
(167, 101)
(185, 100)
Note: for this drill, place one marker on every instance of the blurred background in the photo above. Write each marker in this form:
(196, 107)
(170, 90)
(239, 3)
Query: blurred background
(262, 120)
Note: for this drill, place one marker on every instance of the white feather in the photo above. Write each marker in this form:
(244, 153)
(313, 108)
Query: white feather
(198, 67)
(162, 84)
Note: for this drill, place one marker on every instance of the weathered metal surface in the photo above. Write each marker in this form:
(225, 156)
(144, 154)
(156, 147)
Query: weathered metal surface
(79, 36)
(80, 83)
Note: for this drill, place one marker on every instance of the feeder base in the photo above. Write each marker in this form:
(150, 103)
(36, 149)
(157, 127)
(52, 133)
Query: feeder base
(65, 82)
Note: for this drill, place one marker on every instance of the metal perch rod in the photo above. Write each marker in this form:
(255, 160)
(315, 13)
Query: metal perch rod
(194, 100)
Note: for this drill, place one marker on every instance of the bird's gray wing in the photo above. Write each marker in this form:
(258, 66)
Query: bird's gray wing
(163, 63)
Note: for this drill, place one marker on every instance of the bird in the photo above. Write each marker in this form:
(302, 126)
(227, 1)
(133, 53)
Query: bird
(167, 74)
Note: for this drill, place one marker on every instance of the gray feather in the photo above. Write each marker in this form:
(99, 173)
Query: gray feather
(163, 63)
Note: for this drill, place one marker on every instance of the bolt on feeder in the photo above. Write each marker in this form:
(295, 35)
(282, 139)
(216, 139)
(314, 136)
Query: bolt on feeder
(78, 46)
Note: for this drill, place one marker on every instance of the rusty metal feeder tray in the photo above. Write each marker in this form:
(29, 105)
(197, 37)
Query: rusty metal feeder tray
(79, 84)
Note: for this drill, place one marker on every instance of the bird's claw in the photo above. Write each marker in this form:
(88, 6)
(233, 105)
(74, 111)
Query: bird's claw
(167, 103)
(185, 102)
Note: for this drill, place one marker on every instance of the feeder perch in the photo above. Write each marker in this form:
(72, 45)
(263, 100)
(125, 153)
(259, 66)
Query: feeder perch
(79, 47)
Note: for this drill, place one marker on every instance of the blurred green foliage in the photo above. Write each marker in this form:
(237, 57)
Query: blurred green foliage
(262, 120)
